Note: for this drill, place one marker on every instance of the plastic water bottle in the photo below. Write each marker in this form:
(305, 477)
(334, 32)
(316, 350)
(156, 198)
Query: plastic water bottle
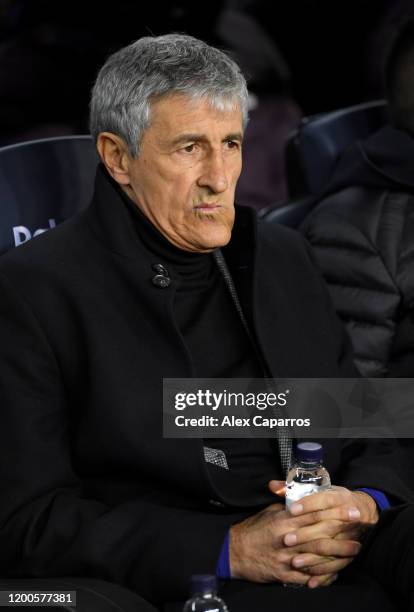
(204, 595)
(307, 474)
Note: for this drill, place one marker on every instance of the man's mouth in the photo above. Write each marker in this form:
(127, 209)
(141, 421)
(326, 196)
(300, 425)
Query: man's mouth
(207, 208)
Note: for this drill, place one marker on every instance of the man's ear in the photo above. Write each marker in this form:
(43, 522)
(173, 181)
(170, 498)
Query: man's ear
(114, 155)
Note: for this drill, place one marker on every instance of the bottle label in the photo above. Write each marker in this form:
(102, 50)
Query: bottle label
(295, 491)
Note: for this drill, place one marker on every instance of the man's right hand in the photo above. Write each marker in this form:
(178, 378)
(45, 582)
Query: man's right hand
(258, 554)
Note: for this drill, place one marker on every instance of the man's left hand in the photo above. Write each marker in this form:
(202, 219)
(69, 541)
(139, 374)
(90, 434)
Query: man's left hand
(337, 514)
(332, 511)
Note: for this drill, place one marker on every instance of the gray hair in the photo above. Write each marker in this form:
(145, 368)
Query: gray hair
(160, 66)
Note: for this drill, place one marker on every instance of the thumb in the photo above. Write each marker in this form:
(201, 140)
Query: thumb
(278, 487)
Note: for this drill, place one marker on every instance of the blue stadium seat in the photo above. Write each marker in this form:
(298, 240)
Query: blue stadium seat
(42, 183)
(313, 151)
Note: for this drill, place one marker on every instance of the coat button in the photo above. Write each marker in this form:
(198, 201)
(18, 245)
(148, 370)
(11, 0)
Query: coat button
(160, 269)
(216, 502)
(161, 281)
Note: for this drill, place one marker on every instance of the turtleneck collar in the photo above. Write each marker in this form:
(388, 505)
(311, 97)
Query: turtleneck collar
(115, 223)
(186, 263)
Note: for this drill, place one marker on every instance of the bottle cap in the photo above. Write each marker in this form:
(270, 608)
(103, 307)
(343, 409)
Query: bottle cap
(203, 583)
(309, 452)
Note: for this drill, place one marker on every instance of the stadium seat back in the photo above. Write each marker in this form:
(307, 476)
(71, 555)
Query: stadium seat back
(314, 149)
(42, 183)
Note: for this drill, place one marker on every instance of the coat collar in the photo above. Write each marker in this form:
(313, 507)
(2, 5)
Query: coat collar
(110, 220)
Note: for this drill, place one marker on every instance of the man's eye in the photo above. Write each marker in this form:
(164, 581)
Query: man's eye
(189, 148)
(233, 144)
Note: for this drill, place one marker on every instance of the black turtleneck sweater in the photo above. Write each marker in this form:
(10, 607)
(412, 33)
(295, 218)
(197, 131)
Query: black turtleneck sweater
(219, 348)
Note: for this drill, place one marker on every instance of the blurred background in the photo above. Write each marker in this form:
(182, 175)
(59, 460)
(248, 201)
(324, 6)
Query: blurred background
(300, 57)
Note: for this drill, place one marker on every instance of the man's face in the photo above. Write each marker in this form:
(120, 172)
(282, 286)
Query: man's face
(185, 176)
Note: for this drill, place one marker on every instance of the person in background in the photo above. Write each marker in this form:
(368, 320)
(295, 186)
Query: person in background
(362, 230)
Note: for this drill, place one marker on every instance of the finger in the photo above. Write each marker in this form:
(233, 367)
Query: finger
(336, 496)
(353, 533)
(305, 561)
(346, 513)
(278, 487)
(321, 581)
(320, 566)
(294, 577)
(325, 529)
(327, 547)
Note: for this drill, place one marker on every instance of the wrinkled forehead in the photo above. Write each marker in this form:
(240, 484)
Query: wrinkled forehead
(179, 112)
(219, 102)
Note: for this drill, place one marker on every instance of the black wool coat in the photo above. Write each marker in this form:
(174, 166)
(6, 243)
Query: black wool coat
(88, 486)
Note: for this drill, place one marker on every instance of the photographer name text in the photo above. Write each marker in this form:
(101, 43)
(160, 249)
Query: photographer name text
(232, 421)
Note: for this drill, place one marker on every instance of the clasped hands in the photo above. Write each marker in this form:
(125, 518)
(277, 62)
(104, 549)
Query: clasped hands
(308, 545)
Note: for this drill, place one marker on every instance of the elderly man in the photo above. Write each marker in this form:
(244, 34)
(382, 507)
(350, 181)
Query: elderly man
(95, 313)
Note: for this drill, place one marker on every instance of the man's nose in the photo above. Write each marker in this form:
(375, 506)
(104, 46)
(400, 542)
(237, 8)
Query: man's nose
(214, 173)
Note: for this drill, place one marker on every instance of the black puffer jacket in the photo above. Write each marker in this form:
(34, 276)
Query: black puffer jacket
(362, 233)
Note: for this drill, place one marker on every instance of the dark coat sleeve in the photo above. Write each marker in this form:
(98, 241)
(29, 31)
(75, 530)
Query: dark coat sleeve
(47, 526)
